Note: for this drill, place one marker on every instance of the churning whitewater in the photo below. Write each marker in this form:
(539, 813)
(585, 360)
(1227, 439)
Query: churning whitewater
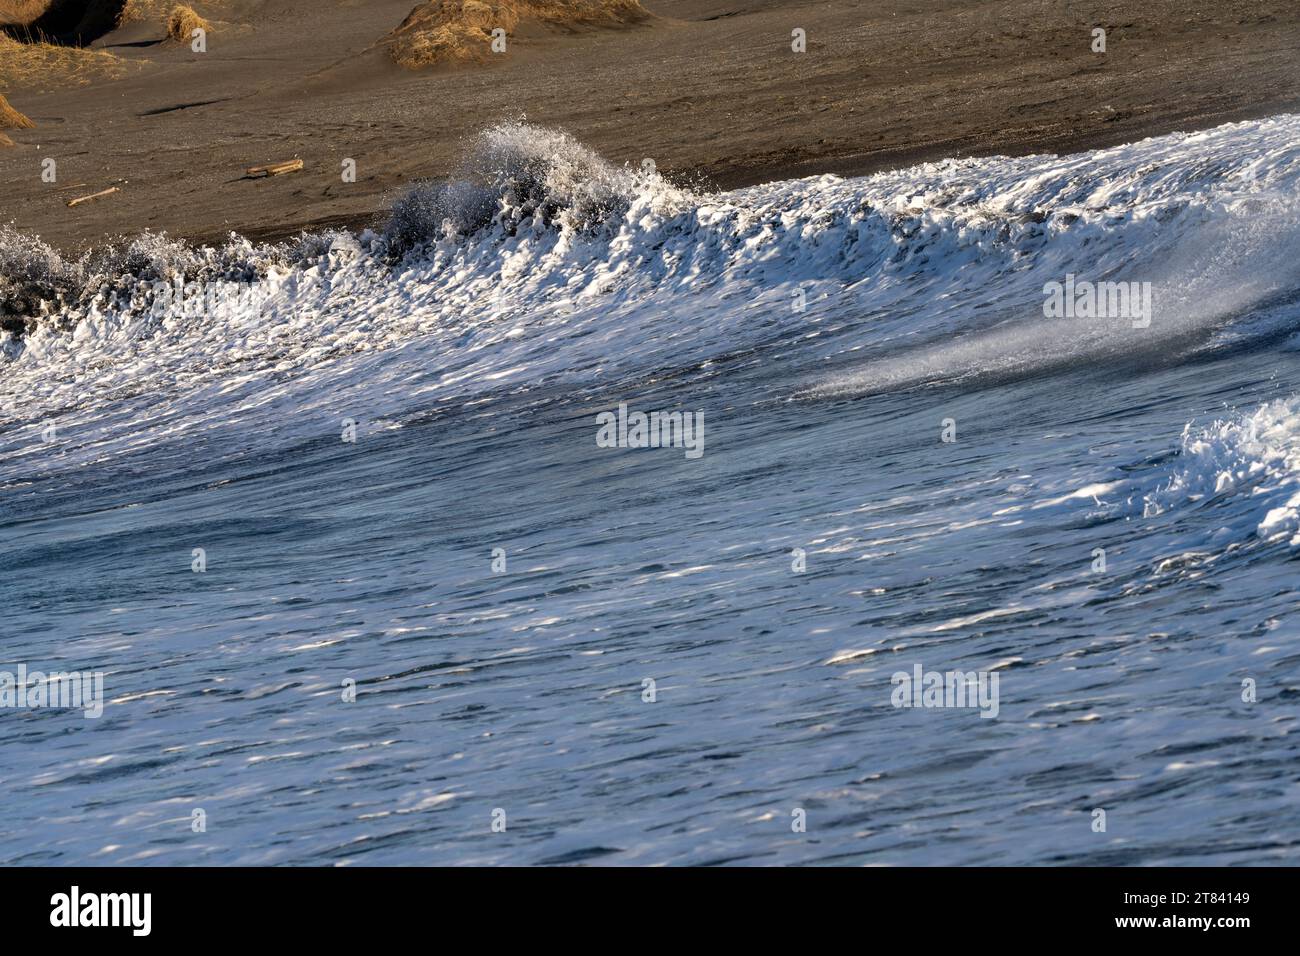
(334, 521)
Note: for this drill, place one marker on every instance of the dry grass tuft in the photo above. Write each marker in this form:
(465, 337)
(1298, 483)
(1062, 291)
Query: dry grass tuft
(10, 118)
(460, 31)
(183, 21)
(157, 11)
(137, 11)
(50, 65)
(132, 11)
(22, 12)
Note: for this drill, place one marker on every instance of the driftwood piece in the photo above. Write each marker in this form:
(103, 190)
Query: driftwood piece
(275, 169)
(80, 199)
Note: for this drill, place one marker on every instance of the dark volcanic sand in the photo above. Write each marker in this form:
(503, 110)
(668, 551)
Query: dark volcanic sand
(709, 89)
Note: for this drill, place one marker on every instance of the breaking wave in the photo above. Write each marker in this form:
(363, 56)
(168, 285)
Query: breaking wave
(541, 261)
(342, 429)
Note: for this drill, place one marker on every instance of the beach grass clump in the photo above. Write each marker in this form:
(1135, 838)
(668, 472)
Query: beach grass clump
(50, 65)
(460, 31)
(140, 11)
(22, 12)
(183, 21)
(10, 118)
(132, 11)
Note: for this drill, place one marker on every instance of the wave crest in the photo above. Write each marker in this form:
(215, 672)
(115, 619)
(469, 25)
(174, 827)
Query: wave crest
(37, 283)
(517, 177)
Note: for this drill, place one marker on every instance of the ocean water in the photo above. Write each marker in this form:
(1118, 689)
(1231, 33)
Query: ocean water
(385, 447)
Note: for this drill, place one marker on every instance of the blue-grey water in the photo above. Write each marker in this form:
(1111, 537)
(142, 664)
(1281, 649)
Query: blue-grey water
(523, 690)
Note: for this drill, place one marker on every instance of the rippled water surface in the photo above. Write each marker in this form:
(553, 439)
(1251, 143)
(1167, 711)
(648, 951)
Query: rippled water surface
(474, 372)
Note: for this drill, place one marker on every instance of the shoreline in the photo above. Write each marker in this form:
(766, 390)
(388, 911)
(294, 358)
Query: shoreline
(849, 167)
(709, 90)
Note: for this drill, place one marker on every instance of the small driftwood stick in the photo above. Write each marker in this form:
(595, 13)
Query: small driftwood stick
(80, 199)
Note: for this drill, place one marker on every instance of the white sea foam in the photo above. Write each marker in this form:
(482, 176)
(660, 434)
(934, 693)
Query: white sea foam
(1250, 463)
(544, 262)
